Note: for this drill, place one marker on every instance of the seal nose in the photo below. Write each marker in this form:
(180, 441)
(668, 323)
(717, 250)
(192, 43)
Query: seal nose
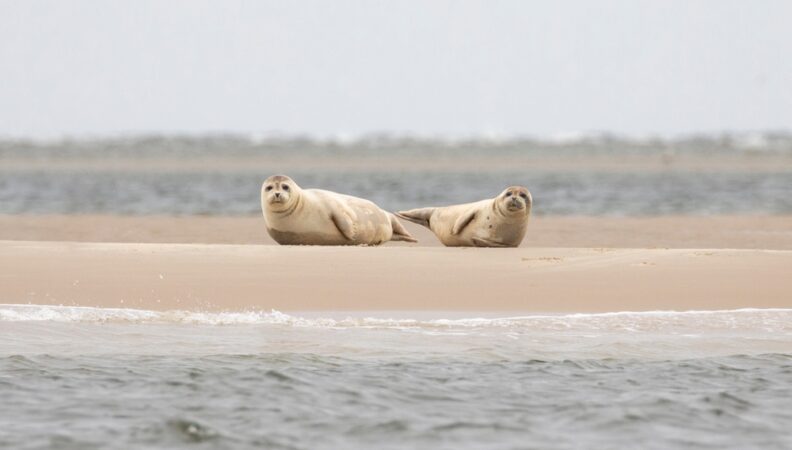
(277, 195)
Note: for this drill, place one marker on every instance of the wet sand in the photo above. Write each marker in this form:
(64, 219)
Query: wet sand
(746, 232)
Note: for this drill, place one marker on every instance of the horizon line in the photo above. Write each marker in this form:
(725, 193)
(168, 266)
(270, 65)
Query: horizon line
(395, 135)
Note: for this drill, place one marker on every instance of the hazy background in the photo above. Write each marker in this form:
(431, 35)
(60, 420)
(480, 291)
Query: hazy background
(619, 108)
(330, 68)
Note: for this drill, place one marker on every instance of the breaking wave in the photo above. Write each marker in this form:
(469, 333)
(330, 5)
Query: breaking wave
(765, 320)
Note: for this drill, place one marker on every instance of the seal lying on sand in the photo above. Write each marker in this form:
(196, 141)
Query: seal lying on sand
(498, 222)
(315, 217)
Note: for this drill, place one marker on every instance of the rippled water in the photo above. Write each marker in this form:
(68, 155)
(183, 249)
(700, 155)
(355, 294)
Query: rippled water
(100, 176)
(237, 193)
(89, 378)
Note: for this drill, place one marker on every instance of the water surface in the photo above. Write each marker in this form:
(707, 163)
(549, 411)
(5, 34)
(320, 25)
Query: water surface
(222, 175)
(98, 378)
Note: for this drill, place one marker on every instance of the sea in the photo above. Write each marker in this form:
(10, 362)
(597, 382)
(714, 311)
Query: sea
(84, 378)
(222, 175)
(96, 378)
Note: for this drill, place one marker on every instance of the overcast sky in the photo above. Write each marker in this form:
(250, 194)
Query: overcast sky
(428, 67)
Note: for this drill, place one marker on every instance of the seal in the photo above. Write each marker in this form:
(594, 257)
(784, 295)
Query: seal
(498, 222)
(298, 216)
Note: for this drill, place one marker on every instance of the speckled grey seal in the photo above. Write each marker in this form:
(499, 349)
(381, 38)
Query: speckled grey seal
(498, 222)
(298, 216)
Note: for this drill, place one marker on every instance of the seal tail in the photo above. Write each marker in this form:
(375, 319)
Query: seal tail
(420, 216)
(399, 232)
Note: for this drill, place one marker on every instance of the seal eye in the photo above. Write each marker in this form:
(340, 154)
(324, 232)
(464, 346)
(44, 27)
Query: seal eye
(508, 194)
(268, 188)
(524, 196)
(285, 187)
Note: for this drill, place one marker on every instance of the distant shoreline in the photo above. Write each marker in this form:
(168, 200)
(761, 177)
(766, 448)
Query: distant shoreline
(751, 163)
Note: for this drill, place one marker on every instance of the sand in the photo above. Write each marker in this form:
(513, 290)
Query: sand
(566, 265)
(240, 277)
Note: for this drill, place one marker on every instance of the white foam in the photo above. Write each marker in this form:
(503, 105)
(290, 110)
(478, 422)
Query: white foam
(773, 320)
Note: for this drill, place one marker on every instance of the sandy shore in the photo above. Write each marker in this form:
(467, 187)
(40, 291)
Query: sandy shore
(747, 232)
(567, 264)
(241, 277)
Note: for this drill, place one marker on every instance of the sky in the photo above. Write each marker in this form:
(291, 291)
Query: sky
(341, 67)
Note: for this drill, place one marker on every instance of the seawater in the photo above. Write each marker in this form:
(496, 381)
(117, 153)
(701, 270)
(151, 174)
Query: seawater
(50, 184)
(73, 377)
(555, 193)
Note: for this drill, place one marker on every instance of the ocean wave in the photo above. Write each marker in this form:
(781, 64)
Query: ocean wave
(765, 320)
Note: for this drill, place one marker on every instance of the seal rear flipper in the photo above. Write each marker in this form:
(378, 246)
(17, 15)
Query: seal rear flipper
(420, 216)
(399, 232)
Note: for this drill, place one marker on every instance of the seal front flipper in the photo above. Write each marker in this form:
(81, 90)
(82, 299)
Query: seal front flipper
(344, 224)
(420, 216)
(481, 242)
(399, 232)
(464, 220)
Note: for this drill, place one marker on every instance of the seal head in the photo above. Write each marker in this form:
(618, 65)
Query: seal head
(514, 201)
(279, 193)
